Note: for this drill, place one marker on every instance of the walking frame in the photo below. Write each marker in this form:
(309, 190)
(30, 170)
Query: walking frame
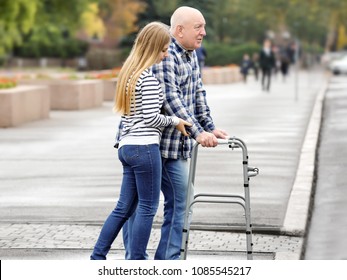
(243, 201)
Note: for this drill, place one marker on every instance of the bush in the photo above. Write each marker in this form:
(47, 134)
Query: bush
(223, 54)
(62, 48)
(74, 48)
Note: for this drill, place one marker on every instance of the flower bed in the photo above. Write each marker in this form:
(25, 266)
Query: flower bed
(7, 82)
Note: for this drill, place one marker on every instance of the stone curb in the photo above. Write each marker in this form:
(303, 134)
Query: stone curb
(298, 208)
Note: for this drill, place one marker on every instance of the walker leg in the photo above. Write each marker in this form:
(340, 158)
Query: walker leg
(189, 198)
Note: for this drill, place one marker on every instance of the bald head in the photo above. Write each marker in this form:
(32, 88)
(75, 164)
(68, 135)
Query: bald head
(183, 15)
(188, 27)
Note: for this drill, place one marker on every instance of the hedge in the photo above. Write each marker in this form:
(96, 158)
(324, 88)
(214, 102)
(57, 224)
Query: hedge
(224, 54)
(67, 48)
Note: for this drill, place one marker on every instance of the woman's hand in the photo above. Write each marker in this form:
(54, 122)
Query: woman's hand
(182, 127)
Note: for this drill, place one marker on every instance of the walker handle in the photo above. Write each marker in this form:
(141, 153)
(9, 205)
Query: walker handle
(229, 141)
(223, 141)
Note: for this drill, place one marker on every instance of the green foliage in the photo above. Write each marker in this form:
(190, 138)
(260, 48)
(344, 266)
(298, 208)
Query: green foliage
(156, 10)
(64, 14)
(56, 47)
(16, 18)
(225, 54)
(41, 25)
(240, 22)
(45, 27)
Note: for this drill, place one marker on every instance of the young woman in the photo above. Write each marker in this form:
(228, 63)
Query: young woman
(139, 99)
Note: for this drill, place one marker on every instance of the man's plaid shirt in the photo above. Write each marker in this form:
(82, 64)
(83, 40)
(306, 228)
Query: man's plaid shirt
(179, 75)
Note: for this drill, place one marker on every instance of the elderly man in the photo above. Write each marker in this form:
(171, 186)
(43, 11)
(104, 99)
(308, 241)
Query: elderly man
(180, 78)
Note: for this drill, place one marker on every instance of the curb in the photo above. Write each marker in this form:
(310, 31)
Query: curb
(298, 208)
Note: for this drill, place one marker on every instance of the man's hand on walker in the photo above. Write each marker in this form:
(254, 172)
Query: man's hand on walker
(221, 134)
(207, 139)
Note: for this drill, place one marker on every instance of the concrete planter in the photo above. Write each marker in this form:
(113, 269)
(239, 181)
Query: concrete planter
(109, 89)
(76, 95)
(221, 75)
(72, 94)
(23, 104)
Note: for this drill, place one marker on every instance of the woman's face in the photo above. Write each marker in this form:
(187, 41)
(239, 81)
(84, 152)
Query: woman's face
(164, 53)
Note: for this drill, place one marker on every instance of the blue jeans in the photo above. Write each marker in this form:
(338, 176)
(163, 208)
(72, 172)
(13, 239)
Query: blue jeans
(140, 191)
(174, 187)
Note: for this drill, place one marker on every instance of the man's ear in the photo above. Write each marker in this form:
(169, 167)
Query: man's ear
(179, 30)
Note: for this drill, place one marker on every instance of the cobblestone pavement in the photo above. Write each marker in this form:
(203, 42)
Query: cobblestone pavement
(81, 237)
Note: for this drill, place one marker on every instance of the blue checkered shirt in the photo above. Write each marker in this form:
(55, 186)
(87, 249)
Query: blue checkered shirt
(179, 75)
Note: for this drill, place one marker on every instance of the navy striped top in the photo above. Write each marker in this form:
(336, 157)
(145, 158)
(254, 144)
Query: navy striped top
(144, 123)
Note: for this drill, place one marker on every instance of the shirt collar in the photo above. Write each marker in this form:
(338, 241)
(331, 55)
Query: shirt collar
(180, 49)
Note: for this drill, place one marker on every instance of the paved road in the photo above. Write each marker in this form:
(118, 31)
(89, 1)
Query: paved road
(64, 170)
(328, 228)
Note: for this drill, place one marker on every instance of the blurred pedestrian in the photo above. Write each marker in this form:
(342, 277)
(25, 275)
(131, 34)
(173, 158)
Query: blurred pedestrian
(180, 78)
(201, 53)
(139, 98)
(284, 55)
(246, 65)
(277, 65)
(255, 64)
(292, 51)
(267, 63)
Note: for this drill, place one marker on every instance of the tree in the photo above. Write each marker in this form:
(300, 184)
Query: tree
(55, 23)
(119, 17)
(342, 38)
(17, 17)
(335, 13)
(92, 23)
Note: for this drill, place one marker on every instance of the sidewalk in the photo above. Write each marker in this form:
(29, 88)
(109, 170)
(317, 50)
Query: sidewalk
(60, 177)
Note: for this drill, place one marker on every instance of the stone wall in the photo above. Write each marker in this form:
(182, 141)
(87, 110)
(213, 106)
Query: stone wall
(221, 75)
(72, 94)
(23, 104)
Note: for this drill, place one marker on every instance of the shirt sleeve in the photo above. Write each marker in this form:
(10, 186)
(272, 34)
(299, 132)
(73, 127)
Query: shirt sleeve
(151, 91)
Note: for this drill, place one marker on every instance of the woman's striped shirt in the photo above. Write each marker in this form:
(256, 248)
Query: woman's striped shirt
(144, 123)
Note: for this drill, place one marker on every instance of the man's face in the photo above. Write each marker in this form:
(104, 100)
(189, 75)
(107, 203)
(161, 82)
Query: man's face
(193, 32)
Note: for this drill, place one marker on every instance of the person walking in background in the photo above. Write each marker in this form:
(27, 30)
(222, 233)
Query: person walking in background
(201, 54)
(180, 78)
(277, 65)
(139, 99)
(255, 64)
(246, 65)
(284, 56)
(267, 63)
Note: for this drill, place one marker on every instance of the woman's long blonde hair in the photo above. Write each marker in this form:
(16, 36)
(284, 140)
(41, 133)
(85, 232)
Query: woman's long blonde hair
(149, 42)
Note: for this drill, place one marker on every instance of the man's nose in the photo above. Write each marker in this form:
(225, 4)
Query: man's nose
(203, 31)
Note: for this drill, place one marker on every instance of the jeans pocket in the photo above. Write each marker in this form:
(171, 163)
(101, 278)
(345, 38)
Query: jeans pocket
(129, 152)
